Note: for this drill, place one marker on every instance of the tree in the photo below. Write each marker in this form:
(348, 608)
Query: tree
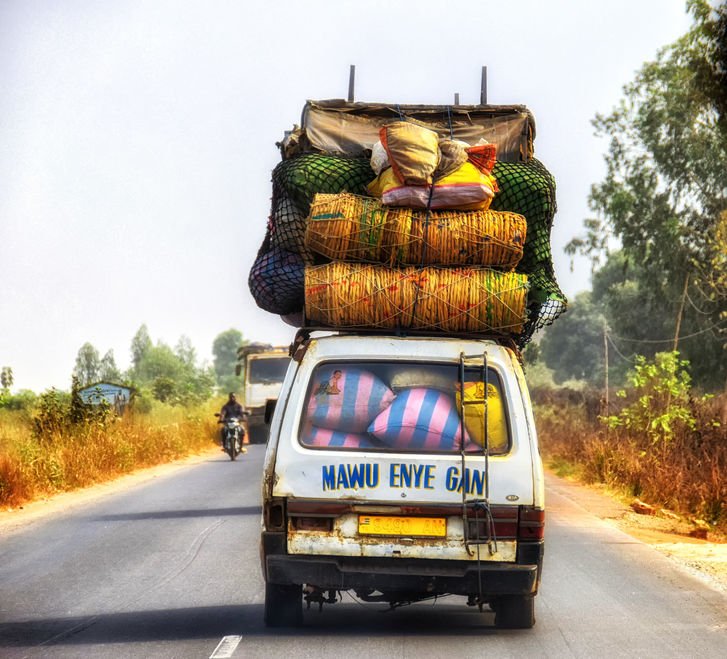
(663, 198)
(573, 347)
(710, 66)
(164, 388)
(108, 371)
(172, 376)
(6, 381)
(160, 361)
(185, 351)
(6, 377)
(140, 345)
(22, 400)
(197, 386)
(87, 368)
(224, 349)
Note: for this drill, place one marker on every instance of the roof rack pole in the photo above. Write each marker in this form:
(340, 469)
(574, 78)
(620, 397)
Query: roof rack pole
(456, 98)
(483, 87)
(351, 80)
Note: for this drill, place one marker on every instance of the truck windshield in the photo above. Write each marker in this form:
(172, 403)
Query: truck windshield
(404, 407)
(267, 370)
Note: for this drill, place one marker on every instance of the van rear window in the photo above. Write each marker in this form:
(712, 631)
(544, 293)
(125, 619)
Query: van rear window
(404, 407)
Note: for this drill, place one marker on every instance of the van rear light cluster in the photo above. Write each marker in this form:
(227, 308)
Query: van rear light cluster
(504, 522)
(531, 523)
(274, 515)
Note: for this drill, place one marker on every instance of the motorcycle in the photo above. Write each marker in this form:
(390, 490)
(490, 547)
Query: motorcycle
(232, 436)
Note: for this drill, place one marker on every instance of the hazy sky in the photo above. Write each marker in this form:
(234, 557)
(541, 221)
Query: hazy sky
(137, 141)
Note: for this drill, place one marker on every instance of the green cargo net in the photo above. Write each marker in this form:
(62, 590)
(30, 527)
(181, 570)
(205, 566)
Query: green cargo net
(529, 189)
(276, 276)
(296, 182)
(276, 279)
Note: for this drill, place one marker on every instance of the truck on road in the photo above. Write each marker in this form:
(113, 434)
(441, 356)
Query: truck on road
(264, 368)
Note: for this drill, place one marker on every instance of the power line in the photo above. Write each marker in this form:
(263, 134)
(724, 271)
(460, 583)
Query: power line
(685, 336)
(618, 352)
(695, 307)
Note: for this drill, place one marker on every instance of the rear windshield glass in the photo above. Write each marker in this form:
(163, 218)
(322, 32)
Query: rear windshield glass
(267, 371)
(400, 407)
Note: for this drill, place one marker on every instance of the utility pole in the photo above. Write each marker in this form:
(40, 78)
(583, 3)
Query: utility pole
(679, 315)
(605, 364)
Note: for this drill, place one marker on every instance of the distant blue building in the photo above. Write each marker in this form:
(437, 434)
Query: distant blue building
(116, 395)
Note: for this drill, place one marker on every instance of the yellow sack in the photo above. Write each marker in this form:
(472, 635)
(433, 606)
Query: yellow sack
(465, 189)
(413, 151)
(474, 415)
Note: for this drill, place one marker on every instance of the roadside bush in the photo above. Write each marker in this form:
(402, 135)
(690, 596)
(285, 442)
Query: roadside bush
(58, 413)
(62, 447)
(22, 400)
(659, 399)
(664, 445)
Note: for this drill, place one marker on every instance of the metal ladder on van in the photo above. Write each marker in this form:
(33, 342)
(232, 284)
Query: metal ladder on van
(482, 531)
(478, 529)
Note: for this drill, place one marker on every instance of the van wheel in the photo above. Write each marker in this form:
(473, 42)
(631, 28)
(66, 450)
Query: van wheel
(514, 612)
(283, 605)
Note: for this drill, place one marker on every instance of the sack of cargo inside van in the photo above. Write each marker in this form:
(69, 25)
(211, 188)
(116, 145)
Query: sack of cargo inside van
(476, 414)
(401, 407)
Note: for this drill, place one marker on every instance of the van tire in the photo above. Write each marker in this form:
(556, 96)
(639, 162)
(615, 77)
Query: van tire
(514, 612)
(283, 605)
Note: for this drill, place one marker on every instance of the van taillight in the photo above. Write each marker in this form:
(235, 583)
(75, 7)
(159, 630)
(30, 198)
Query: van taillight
(531, 523)
(274, 514)
(504, 521)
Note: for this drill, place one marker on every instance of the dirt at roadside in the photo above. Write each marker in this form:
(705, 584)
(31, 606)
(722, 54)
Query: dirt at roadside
(664, 531)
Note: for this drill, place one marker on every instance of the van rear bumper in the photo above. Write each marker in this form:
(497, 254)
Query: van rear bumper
(405, 574)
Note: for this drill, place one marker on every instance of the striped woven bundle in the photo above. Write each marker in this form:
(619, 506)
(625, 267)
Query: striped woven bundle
(354, 228)
(455, 300)
(419, 418)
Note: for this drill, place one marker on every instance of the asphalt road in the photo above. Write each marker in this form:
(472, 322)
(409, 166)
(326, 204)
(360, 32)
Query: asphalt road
(170, 568)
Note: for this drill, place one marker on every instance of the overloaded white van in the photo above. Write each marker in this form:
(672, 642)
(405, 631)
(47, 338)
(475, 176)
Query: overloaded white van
(402, 469)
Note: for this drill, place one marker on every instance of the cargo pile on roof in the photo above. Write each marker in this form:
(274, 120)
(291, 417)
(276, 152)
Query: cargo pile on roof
(411, 219)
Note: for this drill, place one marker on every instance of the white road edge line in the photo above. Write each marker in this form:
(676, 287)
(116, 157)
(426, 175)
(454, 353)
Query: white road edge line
(226, 647)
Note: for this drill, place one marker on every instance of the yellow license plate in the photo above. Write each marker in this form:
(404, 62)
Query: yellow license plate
(409, 526)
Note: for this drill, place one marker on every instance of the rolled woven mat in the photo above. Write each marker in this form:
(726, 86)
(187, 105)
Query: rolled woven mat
(350, 227)
(455, 300)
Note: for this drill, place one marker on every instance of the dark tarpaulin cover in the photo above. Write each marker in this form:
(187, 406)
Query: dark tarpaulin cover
(349, 129)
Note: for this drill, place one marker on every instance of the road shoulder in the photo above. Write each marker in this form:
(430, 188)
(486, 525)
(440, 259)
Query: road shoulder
(14, 519)
(707, 560)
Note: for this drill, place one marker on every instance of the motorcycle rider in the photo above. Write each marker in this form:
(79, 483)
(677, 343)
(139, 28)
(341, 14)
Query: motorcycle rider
(232, 410)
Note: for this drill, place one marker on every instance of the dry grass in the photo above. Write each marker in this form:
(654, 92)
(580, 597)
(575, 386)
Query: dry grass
(687, 474)
(60, 461)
